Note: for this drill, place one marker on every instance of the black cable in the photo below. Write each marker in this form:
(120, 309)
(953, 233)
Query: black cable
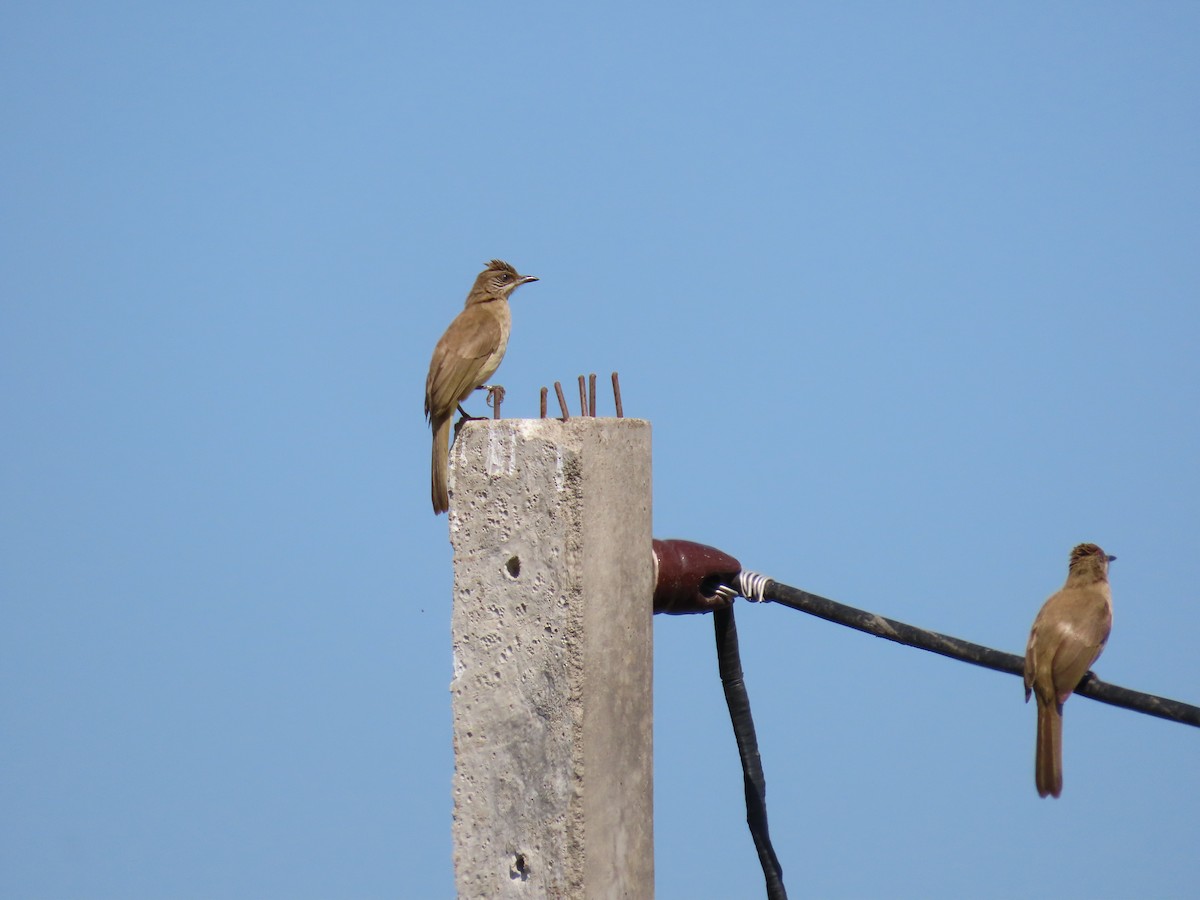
(757, 587)
(730, 665)
(976, 654)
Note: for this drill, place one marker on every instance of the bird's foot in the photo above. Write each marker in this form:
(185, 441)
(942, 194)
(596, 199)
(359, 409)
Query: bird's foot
(495, 396)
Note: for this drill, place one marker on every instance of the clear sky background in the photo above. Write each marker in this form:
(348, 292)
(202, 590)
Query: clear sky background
(910, 293)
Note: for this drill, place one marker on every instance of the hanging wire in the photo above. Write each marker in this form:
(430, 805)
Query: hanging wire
(730, 665)
(759, 589)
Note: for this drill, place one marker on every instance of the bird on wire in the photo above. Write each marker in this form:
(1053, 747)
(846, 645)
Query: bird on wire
(1067, 637)
(467, 355)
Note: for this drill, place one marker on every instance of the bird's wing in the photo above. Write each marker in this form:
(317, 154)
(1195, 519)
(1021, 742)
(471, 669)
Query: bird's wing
(1085, 632)
(458, 359)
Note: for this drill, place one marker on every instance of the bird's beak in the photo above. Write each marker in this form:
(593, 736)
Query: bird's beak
(525, 279)
(1111, 558)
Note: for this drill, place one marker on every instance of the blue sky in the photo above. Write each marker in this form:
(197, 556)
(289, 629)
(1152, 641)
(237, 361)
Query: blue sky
(908, 292)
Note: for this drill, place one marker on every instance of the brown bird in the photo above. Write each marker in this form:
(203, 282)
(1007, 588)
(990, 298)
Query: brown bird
(1067, 637)
(467, 356)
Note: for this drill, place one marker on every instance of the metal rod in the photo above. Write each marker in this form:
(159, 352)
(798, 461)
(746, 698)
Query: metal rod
(562, 401)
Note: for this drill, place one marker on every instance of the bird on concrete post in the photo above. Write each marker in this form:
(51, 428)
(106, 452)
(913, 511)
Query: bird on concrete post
(1067, 637)
(465, 358)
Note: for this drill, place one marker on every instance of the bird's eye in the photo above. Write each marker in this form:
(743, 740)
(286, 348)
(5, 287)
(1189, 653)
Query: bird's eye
(506, 277)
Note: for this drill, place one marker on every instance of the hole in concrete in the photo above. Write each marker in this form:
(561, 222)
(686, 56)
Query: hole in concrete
(520, 868)
(513, 566)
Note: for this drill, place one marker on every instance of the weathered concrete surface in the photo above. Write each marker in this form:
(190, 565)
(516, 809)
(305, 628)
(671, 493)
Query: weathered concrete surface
(553, 577)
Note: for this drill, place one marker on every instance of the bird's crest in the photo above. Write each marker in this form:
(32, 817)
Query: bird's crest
(499, 265)
(1087, 557)
(1084, 550)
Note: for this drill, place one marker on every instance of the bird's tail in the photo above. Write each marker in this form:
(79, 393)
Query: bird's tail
(441, 450)
(1049, 748)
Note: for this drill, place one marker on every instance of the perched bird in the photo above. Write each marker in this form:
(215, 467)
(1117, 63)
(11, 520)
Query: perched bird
(1067, 636)
(467, 356)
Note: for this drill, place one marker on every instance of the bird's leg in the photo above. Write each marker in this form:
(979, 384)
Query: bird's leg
(464, 417)
(495, 393)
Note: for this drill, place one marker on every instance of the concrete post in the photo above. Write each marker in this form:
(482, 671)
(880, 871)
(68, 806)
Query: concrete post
(553, 577)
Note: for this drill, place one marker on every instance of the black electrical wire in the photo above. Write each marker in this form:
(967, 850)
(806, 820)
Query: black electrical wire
(729, 664)
(758, 588)
(976, 654)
